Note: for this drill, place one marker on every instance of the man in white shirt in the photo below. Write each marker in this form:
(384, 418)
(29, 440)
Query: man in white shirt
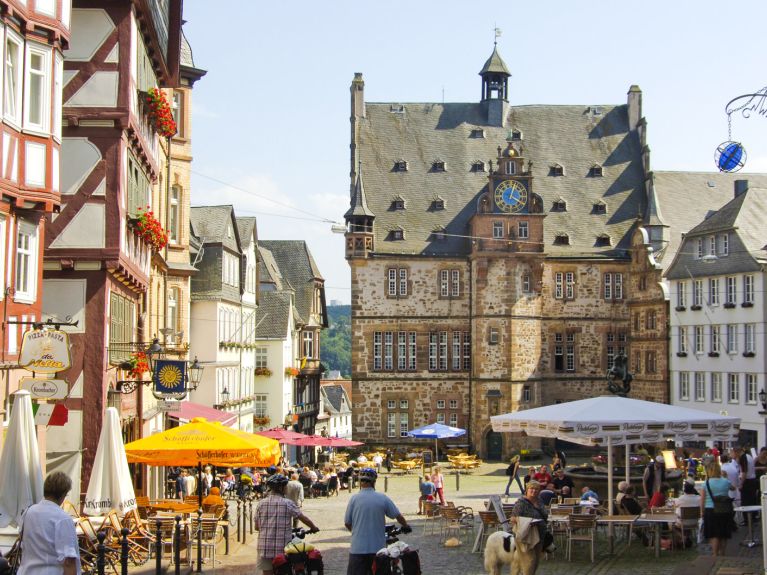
(48, 536)
(731, 468)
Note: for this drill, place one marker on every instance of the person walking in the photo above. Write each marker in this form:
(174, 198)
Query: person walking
(717, 527)
(439, 483)
(274, 522)
(49, 537)
(513, 473)
(294, 491)
(365, 517)
(654, 476)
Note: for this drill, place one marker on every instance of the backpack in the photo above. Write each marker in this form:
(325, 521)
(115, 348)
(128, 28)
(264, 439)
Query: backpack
(510, 470)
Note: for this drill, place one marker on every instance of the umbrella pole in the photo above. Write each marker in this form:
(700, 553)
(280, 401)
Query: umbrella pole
(610, 489)
(628, 461)
(199, 518)
(436, 454)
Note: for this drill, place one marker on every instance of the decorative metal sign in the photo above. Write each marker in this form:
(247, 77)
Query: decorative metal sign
(169, 377)
(45, 388)
(730, 156)
(45, 351)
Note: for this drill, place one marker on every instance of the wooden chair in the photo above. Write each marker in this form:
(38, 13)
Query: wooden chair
(192, 500)
(490, 523)
(167, 532)
(455, 521)
(208, 529)
(89, 546)
(431, 511)
(688, 519)
(71, 510)
(138, 538)
(571, 500)
(581, 527)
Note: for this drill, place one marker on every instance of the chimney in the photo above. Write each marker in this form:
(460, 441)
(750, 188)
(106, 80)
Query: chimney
(634, 102)
(741, 187)
(358, 96)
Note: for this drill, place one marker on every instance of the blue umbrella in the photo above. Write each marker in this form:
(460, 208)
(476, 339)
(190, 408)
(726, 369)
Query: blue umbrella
(436, 431)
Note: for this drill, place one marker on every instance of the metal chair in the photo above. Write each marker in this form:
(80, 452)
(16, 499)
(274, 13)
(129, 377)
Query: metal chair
(207, 529)
(455, 520)
(431, 513)
(581, 527)
(490, 523)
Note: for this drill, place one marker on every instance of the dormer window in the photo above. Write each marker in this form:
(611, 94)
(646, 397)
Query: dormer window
(603, 240)
(397, 109)
(600, 208)
(561, 239)
(477, 133)
(398, 203)
(400, 166)
(438, 204)
(511, 168)
(397, 234)
(478, 166)
(560, 205)
(596, 171)
(556, 170)
(439, 234)
(516, 135)
(438, 166)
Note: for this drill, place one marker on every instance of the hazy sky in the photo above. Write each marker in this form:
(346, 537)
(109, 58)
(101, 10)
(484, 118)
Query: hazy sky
(271, 117)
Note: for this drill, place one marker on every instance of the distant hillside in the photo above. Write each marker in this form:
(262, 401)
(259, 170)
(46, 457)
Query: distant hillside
(336, 343)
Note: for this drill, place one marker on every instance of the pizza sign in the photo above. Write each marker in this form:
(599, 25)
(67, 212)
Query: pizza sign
(45, 351)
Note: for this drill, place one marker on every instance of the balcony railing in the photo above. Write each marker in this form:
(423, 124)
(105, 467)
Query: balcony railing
(121, 351)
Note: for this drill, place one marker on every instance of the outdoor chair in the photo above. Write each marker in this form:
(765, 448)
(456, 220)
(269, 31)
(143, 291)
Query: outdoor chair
(571, 501)
(306, 481)
(71, 510)
(688, 519)
(167, 533)
(431, 513)
(209, 530)
(455, 521)
(490, 523)
(138, 541)
(192, 500)
(558, 520)
(332, 486)
(581, 527)
(88, 541)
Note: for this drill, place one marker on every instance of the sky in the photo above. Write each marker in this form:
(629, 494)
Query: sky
(270, 119)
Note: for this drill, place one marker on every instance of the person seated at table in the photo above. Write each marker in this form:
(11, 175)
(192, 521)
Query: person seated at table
(622, 486)
(629, 502)
(588, 494)
(543, 476)
(207, 479)
(228, 481)
(563, 485)
(529, 477)
(689, 498)
(660, 497)
(245, 486)
(213, 498)
(547, 494)
(361, 458)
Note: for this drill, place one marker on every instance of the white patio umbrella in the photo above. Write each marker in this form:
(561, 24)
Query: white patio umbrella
(21, 476)
(613, 420)
(110, 486)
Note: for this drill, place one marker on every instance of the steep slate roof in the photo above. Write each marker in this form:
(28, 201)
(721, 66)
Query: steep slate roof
(495, 64)
(209, 222)
(359, 203)
(186, 58)
(274, 310)
(296, 266)
(268, 269)
(246, 226)
(688, 197)
(334, 395)
(574, 136)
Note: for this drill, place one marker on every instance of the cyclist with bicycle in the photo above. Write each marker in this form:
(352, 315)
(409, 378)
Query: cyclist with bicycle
(274, 522)
(365, 517)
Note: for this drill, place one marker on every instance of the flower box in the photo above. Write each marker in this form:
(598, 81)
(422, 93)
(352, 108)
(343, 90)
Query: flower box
(713, 354)
(729, 305)
(695, 307)
(137, 365)
(149, 229)
(160, 113)
(680, 308)
(261, 420)
(292, 371)
(747, 304)
(262, 371)
(681, 354)
(749, 354)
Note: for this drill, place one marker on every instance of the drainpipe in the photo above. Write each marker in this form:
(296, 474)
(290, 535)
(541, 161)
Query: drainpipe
(473, 343)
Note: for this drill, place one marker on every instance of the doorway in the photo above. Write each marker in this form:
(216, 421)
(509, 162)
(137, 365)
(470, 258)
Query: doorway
(493, 446)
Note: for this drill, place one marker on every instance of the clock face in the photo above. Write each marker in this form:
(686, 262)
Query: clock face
(510, 196)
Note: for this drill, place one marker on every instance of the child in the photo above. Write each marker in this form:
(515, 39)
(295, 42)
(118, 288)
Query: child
(427, 492)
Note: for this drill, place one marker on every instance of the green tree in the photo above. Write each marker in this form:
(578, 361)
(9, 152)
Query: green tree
(336, 341)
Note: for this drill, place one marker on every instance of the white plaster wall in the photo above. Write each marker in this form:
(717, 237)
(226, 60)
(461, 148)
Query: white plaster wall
(90, 27)
(86, 230)
(65, 298)
(81, 157)
(99, 90)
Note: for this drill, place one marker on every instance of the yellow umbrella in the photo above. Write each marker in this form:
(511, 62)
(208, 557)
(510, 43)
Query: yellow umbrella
(202, 441)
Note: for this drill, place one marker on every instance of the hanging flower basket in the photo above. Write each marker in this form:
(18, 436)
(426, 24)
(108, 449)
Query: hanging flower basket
(262, 371)
(149, 229)
(160, 113)
(137, 365)
(292, 371)
(261, 420)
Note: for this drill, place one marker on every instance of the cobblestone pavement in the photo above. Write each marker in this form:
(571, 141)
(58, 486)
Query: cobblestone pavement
(333, 540)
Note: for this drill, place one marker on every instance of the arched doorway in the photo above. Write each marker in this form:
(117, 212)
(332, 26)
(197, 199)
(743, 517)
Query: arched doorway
(493, 446)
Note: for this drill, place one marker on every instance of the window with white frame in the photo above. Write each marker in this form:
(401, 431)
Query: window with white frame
(13, 79)
(697, 293)
(411, 355)
(523, 231)
(440, 404)
(456, 351)
(682, 345)
(309, 351)
(397, 281)
(443, 351)
(526, 394)
(260, 405)
(402, 350)
(700, 386)
(558, 285)
(713, 291)
(403, 424)
(569, 285)
(699, 251)
(712, 245)
(261, 357)
(58, 75)
(388, 351)
(684, 385)
(466, 350)
(450, 283)
(733, 389)
(750, 339)
(732, 338)
(716, 334)
(751, 392)
(698, 339)
(681, 294)
(748, 289)
(724, 247)
(453, 421)
(25, 286)
(377, 350)
(178, 112)
(526, 283)
(433, 351)
(37, 87)
(650, 322)
(173, 214)
(391, 424)
(3, 247)
(497, 230)
(730, 291)
(173, 320)
(441, 417)
(453, 404)
(716, 386)
(613, 286)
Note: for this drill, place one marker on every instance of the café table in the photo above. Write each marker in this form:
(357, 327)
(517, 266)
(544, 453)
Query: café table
(611, 520)
(748, 511)
(658, 519)
(174, 506)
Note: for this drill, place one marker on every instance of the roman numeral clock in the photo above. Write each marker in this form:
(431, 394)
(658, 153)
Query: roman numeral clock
(511, 196)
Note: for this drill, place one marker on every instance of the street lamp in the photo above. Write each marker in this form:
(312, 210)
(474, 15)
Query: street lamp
(195, 374)
(763, 413)
(224, 398)
(154, 350)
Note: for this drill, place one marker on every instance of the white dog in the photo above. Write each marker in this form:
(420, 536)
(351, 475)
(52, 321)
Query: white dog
(503, 549)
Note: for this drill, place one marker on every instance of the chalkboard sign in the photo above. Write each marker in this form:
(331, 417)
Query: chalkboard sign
(426, 456)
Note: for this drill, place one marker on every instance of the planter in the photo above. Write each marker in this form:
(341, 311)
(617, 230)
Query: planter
(160, 113)
(729, 305)
(681, 354)
(749, 354)
(261, 421)
(713, 354)
(292, 371)
(263, 371)
(149, 229)
(680, 308)
(747, 304)
(695, 307)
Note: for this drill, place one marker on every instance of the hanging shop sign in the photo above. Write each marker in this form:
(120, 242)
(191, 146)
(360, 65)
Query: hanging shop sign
(169, 377)
(45, 351)
(45, 388)
(53, 414)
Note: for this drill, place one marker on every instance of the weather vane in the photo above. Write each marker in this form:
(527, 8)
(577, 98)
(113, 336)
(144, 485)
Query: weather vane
(498, 33)
(730, 156)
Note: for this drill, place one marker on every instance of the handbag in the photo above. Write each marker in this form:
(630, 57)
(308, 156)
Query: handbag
(722, 503)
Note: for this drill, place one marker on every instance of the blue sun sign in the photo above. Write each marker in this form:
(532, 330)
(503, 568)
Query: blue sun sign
(730, 156)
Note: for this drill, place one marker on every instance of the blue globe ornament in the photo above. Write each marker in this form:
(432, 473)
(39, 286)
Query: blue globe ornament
(730, 156)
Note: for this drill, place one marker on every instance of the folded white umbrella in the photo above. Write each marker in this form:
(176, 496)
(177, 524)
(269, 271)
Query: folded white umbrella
(110, 486)
(21, 477)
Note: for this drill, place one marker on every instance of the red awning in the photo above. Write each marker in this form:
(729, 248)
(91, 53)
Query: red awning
(190, 410)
